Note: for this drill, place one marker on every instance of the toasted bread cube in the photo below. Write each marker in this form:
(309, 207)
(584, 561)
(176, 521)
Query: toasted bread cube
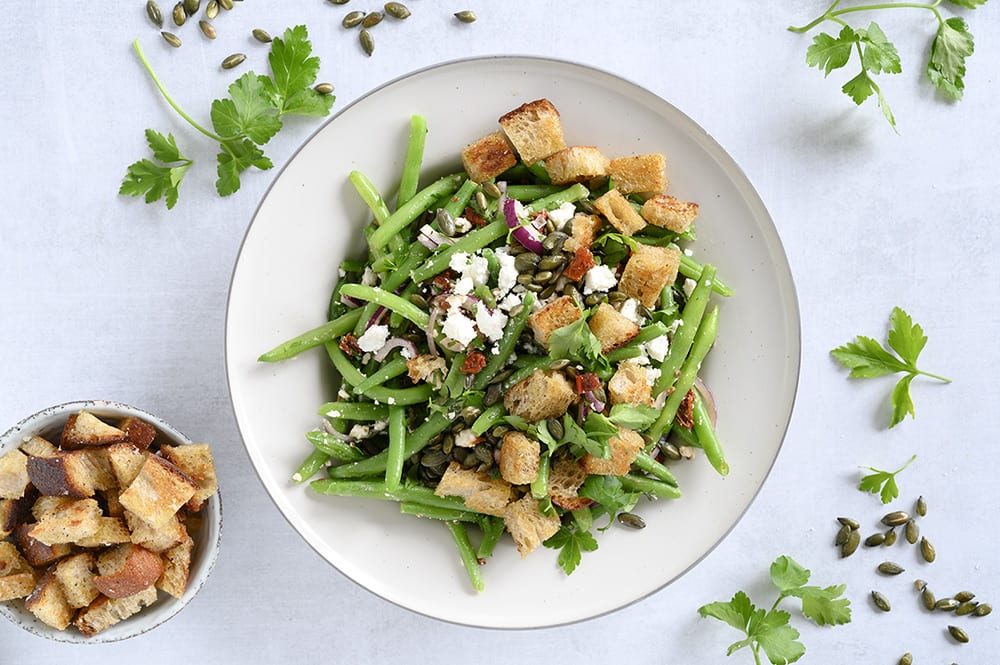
(196, 461)
(125, 570)
(126, 462)
(423, 367)
(488, 157)
(527, 525)
(619, 212)
(176, 568)
(11, 560)
(481, 492)
(12, 513)
(629, 385)
(37, 553)
(112, 504)
(86, 429)
(45, 505)
(519, 458)
(625, 447)
(648, 270)
(137, 432)
(48, 602)
(158, 492)
(541, 395)
(17, 585)
(106, 612)
(36, 446)
(67, 524)
(667, 212)
(97, 466)
(576, 164)
(535, 129)
(611, 327)
(566, 476)
(63, 474)
(585, 228)
(110, 531)
(13, 474)
(639, 174)
(155, 539)
(76, 575)
(558, 313)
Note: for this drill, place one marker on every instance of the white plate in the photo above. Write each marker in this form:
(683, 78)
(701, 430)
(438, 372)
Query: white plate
(287, 268)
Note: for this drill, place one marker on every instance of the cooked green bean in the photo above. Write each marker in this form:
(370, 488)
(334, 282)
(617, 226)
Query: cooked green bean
(467, 554)
(657, 488)
(631, 350)
(389, 300)
(655, 469)
(684, 337)
(312, 338)
(376, 489)
(552, 201)
(395, 318)
(706, 435)
(370, 195)
(390, 370)
(436, 512)
(692, 269)
(397, 440)
(401, 396)
(354, 411)
(456, 204)
(492, 528)
(310, 466)
(351, 375)
(414, 159)
(490, 416)
(531, 192)
(407, 213)
(332, 446)
(469, 243)
(415, 442)
(540, 485)
(539, 172)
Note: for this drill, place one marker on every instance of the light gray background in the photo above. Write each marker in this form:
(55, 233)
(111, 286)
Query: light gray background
(105, 297)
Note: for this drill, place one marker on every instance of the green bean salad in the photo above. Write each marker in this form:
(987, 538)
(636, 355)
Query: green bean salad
(519, 347)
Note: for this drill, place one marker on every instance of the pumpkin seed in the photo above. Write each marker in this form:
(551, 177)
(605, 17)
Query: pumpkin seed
(671, 452)
(896, 518)
(851, 546)
(842, 535)
(555, 427)
(516, 309)
(433, 458)
(534, 288)
(920, 585)
(448, 445)
(946, 604)
(912, 532)
(881, 601)
(906, 659)
(930, 602)
(594, 299)
(632, 520)
(466, 16)
(554, 241)
(263, 36)
(927, 550)
(525, 279)
(875, 540)
(958, 634)
(494, 393)
(226, 4)
(396, 10)
(171, 39)
(212, 9)
(890, 537)
(179, 15)
(921, 506)
(338, 2)
(890, 568)
(982, 609)
(547, 292)
(543, 277)
(481, 202)
(233, 60)
(491, 190)
(484, 453)
(208, 30)
(968, 607)
(552, 262)
(418, 300)
(353, 19)
(154, 14)
(371, 20)
(963, 596)
(324, 89)
(192, 6)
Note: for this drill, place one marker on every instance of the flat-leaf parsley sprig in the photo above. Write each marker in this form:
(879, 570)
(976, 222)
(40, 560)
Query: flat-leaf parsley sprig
(882, 482)
(866, 358)
(770, 631)
(247, 119)
(952, 44)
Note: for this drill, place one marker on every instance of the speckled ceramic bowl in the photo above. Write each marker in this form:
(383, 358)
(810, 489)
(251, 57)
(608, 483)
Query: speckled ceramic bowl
(48, 423)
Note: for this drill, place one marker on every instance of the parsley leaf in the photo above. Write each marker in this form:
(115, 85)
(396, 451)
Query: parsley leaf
(633, 416)
(866, 358)
(235, 158)
(575, 341)
(968, 4)
(879, 54)
(946, 67)
(157, 180)
(828, 52)
(608, 491)
(571, 541)
(248, 111)
(882, 482)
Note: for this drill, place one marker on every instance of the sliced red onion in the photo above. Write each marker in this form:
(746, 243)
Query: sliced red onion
(376, 317)
(595, 404)
(706, 396)
(522, 234)
(349, 301)
(431, 325)
(331, 430)
(395, 343)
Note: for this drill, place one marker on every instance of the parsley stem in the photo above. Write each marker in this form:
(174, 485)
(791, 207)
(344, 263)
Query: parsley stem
(166, 95)
(934, 376)
(832, 13)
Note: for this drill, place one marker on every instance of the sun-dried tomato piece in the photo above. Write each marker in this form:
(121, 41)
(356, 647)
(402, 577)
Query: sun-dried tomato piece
(443, 280)
(474, 363)
(583, 260)
(474, 217)
(587, 382)
(685, 412)
(349, 345)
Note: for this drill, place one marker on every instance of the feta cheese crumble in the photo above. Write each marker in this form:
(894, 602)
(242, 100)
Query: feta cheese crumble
(459, 327)
(562, 214)
(658, 347)
(507, 277)
(630, 310)
(491, 325)
(373, 339)
(689, 285)
(599, 278)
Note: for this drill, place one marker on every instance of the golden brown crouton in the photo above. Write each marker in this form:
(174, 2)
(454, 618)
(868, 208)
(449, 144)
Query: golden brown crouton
(126, 570)
(488, 157)
(138, 432)
(423, 367)
(617, 210)
(86, 429)
(62, 474)
(46, 505)
(629, 385)
(624, 449)
(527, 525)
(37, 553)
(576, 164)
(155, 539)
(67, 524)
(196, 461)
(48, 602)
(17, 578)
(36, 446)
(611, 327)
(76, 575)
(585, 228)
(97, 466)
(480, 491)
(640, 173)
(648, 270)
(110, 531)
(665, 211)
(558, 313)
(519, 458)
(176, 568)
(566, 476)
(158, 492)
(12, 513)
(541, 395)
(535, 130)
(106, 612)
(13, 474)
(126, 462)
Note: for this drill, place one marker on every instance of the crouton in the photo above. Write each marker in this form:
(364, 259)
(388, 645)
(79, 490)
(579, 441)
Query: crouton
(667, 212)
(541, 395)
(12, 513)
(13, 474)
(48, 602)
(97, 466)
(629, 385)
(196, 461)
(519, 458)
(176, 568)
(639, 174)
(566, 476)
(37, 553)
(423, 367)
(527, 525)
(86, 429)
(36, 446)
(126, 462)
(62, 474)
(17, 578)
(480, 491)
(11, 560)
(611, 327)
(558, 313)
(576, 164)
(625, 447)
(126, 570)
(76, 575)
(110, 531)
(112, 505)
(648, 270)
(137, 432)
(75, 520)
(106, 612)
(155, 539)
(488, 157)
(585, 228)
(619, 212)
(158, 492)
(46, 505)
(535, 129)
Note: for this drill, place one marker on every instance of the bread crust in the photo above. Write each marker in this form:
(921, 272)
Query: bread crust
(541, 395)
(488, 157)
(639, 174)
(667, 212)
(648, 270)
(535, 130)
(619, 212)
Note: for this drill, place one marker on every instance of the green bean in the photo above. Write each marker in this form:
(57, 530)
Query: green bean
(485, 294)
(370, 195)
(348, 265)
(310, 466)
(633, 483)
(518, 172)
(367, 312)
(686, 435)
(456, 204)
(437, 513)
(390, 370)
(631, 350)
(397, 439)
(395, 318)
(515, 326)
(312, 338)
(492, 528)
(415, 442)
(692, 269)
(706, 435)
(348, 372)
(389, 300)
(490, 416)
(553, 201)
(407, 213)
(376, 489)
(401, 274)
(467, 554)
(689, 372)
(401, 396)
(354, 411)
(334, 447)
(540, 485)
(539, 172)
(623, 353)
(684, 337)
(414, 158)
(454, 381)
(469, 243)
(531, 192)
(645, 462)
(527, 369)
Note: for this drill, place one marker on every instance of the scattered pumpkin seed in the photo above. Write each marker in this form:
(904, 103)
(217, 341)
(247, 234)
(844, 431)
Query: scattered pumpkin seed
(226, 4)
(208, 30)
(927, 550)
(466, 16)
(875, 540)
(192, 6)
(396, 10)
(367, 41)
(906, 659)
(338, 2)
(946, 604)
(930, 602)
(179, 15)
(921, 506)
(968, 607)
(233, 60)
(920, 585)
(371, 19)
(491, 190)
(982, 609)
(890, 537)
(851, 546)
(555, 427)
(353, 19)
(912, 532)
(895, 518)
(671, 452)
(154, 14)
(842, 534)
(846, 521)
(632, 520)
(958, 634)
(325, 89)
(481, 202)
(212, 9)
(890, 568)
(881, 602)
(263, 36)
(171, 39)
(963, 596)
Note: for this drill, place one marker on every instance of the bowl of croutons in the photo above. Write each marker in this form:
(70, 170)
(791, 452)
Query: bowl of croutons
(110, 521)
